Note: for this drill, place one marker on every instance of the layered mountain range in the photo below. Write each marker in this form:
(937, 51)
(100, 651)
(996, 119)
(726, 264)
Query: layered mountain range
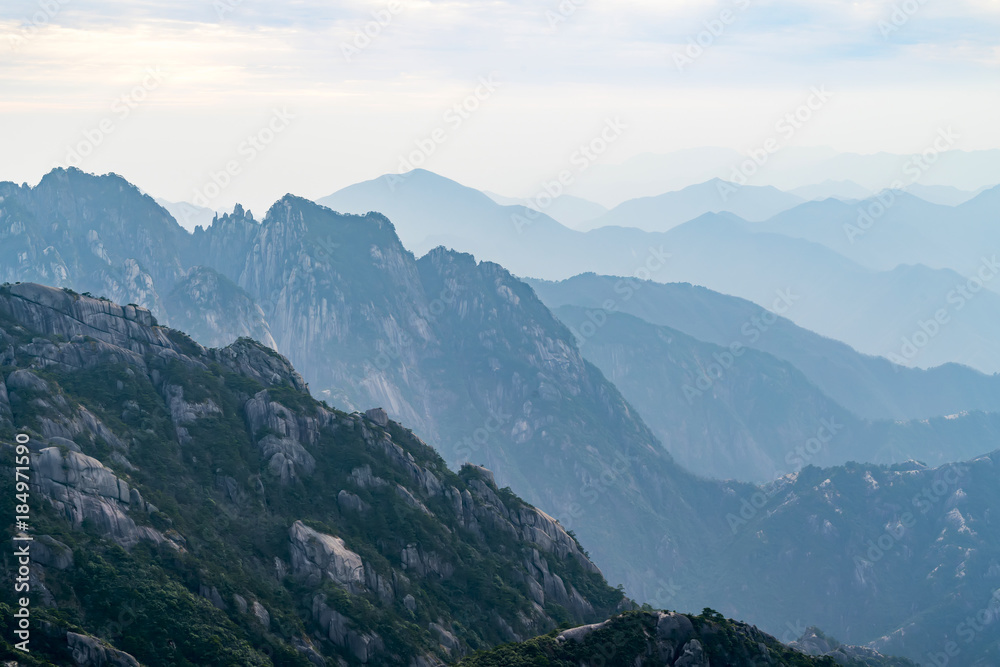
(470, 358)
(926, 302)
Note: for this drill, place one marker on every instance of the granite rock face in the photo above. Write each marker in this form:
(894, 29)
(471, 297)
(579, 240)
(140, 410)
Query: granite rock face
(81, 488)
(316, 556)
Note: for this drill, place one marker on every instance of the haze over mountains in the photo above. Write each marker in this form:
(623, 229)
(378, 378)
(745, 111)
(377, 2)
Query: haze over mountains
(664, 212)
(882, 309)
(791, 167)
(470, 357)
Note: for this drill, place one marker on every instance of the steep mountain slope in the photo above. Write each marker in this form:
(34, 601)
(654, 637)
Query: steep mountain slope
(196, 506)
(738, 413)
(97, 234)
(215, 311)
(100, 234)
(871, 387)
(467, 354)
(663, 212)
(469, 357)
(667, 639)
(573, 212)
(912, 550)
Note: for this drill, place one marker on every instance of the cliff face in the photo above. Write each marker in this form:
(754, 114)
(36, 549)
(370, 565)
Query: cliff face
(209, 491)
(215, 311)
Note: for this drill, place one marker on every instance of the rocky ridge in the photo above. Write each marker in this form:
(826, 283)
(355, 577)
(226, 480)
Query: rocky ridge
(120, 410)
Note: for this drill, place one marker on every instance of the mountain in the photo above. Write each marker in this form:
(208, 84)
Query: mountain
(98, 233)
(495, 378)
(462, 352)
(215, 311)
(651, 174)
(788, 168)
(871, 387)
(943, 194)
(879, 312)
(471, 358)
(912, 314)
(911, 548)
(573, 212)
(668, 639)
(737, 413)
(189, 216)
(843, 190)
(894, 228)
(197, 506)
(429, 210)
(663, 212)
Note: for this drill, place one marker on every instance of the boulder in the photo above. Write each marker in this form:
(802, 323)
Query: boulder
(316, 555)
(90, 652)
(378, 416)
(349, 502)
(50, 552)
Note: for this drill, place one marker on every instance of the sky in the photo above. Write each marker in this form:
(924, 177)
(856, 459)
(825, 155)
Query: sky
(219, 101)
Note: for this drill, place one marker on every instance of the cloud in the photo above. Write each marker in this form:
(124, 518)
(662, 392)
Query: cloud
(227, 63)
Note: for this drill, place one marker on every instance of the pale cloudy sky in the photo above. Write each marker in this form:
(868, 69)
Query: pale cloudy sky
(223, 69)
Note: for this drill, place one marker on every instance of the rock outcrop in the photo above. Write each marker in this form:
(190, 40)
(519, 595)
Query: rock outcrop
(81, 489)
(91, 652)
(316, 556)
